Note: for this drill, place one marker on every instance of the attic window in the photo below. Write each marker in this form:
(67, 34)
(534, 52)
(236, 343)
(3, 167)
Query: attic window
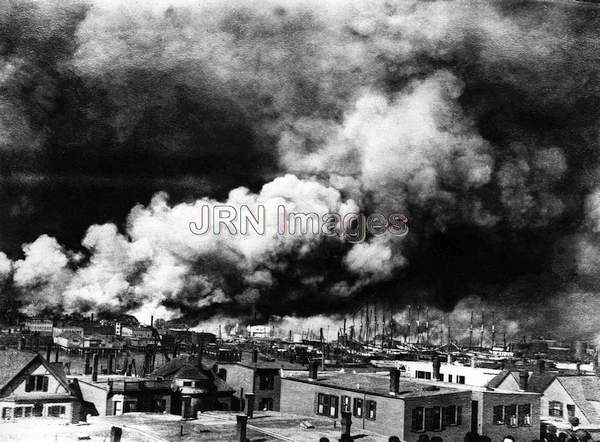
(37, 383)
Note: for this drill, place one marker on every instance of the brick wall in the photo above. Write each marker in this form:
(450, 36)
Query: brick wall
(390, 420)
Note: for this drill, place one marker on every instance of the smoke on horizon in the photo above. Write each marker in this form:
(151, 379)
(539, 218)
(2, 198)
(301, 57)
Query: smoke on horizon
(476, 120)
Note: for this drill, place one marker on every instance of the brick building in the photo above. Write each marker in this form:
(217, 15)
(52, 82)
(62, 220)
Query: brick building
(382, 404)
(390, 405)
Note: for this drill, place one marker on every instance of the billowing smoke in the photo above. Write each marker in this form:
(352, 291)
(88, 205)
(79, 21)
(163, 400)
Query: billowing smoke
(476, 121)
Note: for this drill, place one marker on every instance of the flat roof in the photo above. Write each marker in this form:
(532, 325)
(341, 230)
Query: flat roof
(376, 384)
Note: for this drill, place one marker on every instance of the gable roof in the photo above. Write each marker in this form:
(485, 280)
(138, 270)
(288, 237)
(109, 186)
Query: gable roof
(585, 392)
(13, 362)
(190, 371)
(537, 382)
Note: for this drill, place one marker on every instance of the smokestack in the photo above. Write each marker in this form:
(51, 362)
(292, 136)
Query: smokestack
(95, 368)
(523, 379)
(313, 370)
(436, 368)
(254, 355)
(241, 426)
(250, 405)
(394, 381)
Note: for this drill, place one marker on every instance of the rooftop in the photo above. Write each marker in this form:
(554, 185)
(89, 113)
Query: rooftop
(378, 384)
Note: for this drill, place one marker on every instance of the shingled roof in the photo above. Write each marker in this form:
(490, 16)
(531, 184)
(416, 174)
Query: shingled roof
(12, 362)
(537, 381)
(585, 392)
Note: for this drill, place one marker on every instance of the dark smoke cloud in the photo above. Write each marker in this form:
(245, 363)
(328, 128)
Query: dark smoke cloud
(478, 121)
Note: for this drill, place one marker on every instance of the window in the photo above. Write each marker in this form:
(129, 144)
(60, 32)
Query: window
(187, 383)
(56, 410)
(452, 415)
(510, 415)
(460, 379)
(266, 381)
(418, 419)
(327, 405)
(265, 404)
(433, 419)
(23, 411)
(423, 374)
(357, 409)
(129, 406)
(346, 404)
(371, 410)
(570, 410)
(449, 378)
(498, 414)
(6, 412)
(524, 415)
(555, 409)
(37, 383)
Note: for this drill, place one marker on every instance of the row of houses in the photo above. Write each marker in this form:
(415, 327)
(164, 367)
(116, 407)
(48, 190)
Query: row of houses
(519, 404)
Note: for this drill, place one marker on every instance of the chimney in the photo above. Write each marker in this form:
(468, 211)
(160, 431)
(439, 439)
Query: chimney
(436, 368)
(313, 369)
(152, 321)
(578, 368)
(473, 361)
(48, 351)
(95, 368)
(523, 378)
(56, 355)
(541, 365)
(346, 425)
(449, 358)
(115, 434)
(242, 422)
(110, 383)
(394, 381)
(250, 405)
(255, 355)
(92, 321)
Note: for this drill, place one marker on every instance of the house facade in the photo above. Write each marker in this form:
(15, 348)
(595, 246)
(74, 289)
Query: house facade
(32, 387)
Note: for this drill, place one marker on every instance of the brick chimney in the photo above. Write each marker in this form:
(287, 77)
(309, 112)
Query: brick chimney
(255, 355)
(523, 380)
(48, 352)
(313, 370)
(394, 381)
(111, 363)
(86, 369)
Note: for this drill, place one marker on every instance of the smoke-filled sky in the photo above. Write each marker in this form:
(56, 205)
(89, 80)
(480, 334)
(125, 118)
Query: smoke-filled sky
(477, 120)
